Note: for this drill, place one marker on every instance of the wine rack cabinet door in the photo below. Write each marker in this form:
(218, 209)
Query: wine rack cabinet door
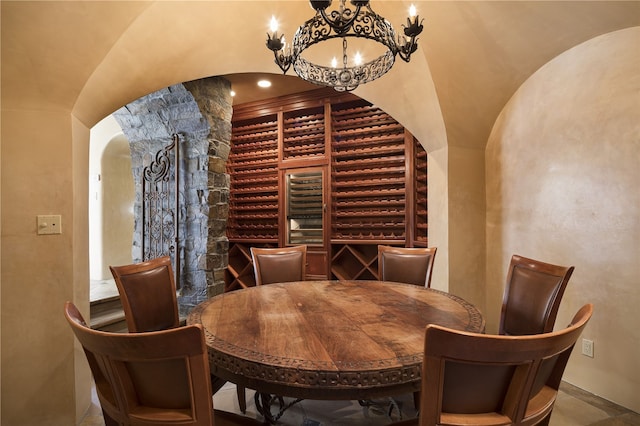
(317, 265)
(305, 206)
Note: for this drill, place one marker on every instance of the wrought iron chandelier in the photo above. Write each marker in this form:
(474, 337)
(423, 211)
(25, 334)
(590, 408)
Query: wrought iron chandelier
(345, 23)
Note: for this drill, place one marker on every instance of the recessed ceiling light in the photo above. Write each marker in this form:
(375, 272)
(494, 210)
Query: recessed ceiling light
(264, 83)
(233, 93)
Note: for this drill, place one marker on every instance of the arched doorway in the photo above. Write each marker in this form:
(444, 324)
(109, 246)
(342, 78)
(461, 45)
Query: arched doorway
(111, 198)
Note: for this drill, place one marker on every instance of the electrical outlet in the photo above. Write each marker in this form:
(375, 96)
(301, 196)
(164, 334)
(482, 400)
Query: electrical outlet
(587, 347)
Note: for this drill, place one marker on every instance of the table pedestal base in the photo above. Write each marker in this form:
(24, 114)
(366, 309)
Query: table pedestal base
(386, 407)
(264, 401)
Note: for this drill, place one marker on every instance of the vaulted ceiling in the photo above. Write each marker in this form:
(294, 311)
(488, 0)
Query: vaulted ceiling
(90, 57)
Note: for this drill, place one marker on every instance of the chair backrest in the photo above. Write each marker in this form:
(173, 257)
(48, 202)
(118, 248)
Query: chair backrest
(279, 265)
(148, 294)
(158, 377)
(406, 265)
(532, 296)
(472, 379)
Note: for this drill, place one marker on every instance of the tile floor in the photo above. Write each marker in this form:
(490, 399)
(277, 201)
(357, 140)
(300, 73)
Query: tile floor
(574, 407)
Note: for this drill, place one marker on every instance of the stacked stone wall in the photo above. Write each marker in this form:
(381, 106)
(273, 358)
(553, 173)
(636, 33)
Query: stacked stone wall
(200, 113)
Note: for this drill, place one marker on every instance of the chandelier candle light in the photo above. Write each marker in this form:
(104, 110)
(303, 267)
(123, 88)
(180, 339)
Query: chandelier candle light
(344, 23)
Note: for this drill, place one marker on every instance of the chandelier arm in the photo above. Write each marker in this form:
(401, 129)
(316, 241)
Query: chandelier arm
(408, 49)
(283, 61)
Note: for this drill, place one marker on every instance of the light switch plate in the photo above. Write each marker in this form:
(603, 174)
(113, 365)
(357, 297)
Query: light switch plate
(49, 224)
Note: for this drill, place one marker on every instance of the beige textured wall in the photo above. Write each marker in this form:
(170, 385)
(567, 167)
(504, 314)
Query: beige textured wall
(563, 181)
(40, 272)
(118, 196)
(438, 205)
(77, 276)
(111, 199)
(466, 220)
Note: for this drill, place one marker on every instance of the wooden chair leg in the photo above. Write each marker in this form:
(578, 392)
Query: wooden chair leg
(242, 399)
(416, 400)
(216, 383)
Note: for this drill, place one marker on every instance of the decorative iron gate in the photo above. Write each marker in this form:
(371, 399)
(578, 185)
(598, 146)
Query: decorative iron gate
(160, 206)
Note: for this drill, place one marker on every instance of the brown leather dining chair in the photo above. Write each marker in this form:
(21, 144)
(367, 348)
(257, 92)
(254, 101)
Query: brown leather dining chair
(151, 378)
(481, 379)
(406, 265)
(532, 296)
(148, 294)
(279, 265)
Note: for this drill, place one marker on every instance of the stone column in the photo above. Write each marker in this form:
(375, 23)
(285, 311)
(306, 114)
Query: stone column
(200, 112)
(213, 96)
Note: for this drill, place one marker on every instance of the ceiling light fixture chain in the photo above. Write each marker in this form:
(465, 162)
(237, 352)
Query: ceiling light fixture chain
(344, 22)
(344, 52)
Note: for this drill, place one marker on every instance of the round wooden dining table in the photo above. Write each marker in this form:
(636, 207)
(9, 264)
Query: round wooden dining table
(337, 340)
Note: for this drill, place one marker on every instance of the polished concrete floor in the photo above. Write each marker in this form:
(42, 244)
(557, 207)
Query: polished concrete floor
(574, 407)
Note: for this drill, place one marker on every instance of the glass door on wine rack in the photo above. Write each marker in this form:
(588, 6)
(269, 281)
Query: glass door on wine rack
(305, 207)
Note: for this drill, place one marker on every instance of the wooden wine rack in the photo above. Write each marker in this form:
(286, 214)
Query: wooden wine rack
(354, 261)
(367, 174)
(303, 134)
(376, 190)
(239, 274)
(253, 170)
(420, 195)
